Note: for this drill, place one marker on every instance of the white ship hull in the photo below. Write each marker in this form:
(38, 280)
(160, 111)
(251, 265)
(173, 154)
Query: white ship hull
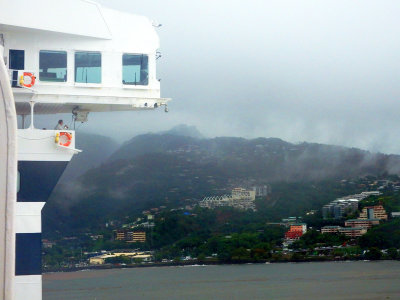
(41, 163)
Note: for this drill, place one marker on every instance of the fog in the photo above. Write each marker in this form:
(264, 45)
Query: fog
(315, 71)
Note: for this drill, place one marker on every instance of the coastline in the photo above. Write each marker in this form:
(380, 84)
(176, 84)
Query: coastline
(196, 263)
(336, 280)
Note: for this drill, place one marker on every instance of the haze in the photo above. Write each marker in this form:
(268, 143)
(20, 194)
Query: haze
(315, 71)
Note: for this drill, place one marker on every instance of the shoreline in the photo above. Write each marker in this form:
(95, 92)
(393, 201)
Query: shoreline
(195, 263)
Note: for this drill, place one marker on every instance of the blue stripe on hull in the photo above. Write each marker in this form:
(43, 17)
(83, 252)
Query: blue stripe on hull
(28, 254)
(38, 179)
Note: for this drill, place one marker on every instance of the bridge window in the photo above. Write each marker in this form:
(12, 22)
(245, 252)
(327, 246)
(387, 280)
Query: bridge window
(17, 59)
(53, 66)
(135, 69)
(88, 67)
(17, 62)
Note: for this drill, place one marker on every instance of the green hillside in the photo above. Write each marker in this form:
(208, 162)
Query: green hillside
(174, 170)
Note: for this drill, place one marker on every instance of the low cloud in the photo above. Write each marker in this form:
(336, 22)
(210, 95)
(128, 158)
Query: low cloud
(299, 70)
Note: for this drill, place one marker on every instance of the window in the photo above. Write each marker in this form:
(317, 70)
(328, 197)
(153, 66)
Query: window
(18, 181)
(53, 66)
(17, 62)
(88, 67)
(135, 69)
(17, 59)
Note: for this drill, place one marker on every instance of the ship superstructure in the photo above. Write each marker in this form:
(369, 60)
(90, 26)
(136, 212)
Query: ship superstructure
(65, 57)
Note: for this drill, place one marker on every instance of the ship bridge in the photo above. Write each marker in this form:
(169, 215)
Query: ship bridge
(58, 56)
(74, 55)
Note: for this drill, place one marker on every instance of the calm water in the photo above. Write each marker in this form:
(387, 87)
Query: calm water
(332, 280)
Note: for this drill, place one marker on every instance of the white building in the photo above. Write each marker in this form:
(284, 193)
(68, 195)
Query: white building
(240, 198)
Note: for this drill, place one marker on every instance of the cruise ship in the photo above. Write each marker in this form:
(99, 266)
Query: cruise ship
(64, 56)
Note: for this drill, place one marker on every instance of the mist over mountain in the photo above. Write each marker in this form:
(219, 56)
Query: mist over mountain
(185, 130)
(95, 150)
(157, 142)
(170, 169)
(270, 159)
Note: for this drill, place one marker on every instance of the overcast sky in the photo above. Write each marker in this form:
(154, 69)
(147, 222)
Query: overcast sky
(315, 71)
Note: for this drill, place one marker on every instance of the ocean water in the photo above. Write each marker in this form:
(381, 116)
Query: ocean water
(324, 280)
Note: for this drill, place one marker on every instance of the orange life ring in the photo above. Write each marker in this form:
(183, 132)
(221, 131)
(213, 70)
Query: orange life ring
(65, 139)
(22, 80)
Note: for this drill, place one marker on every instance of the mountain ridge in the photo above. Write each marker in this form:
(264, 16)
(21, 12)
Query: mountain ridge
(166, 169)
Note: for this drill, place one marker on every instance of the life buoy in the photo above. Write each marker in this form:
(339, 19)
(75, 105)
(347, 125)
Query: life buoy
(22, 79)
(65, 139)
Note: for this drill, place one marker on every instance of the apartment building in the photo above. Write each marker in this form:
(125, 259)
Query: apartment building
(119, 235)
(347, 231)
(373, 212)
(330, 229)
(240, 193)
(137, 237)
(240, 198)
(353, 231)
(339, 208)
(130, 236)
(361, 223)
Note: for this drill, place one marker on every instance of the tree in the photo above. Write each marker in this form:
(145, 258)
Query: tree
(201, 257)
(240, 254)
(138, 260)
(373, 253)
(297, 256)
(392, 252)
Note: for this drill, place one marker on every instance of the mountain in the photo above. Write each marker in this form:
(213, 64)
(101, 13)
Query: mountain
(176, 137)
(171, 170)
(270, 159)
(185, 130)
(96, 149)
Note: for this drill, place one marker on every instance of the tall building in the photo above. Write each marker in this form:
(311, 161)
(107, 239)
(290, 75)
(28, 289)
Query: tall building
(339, 208)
